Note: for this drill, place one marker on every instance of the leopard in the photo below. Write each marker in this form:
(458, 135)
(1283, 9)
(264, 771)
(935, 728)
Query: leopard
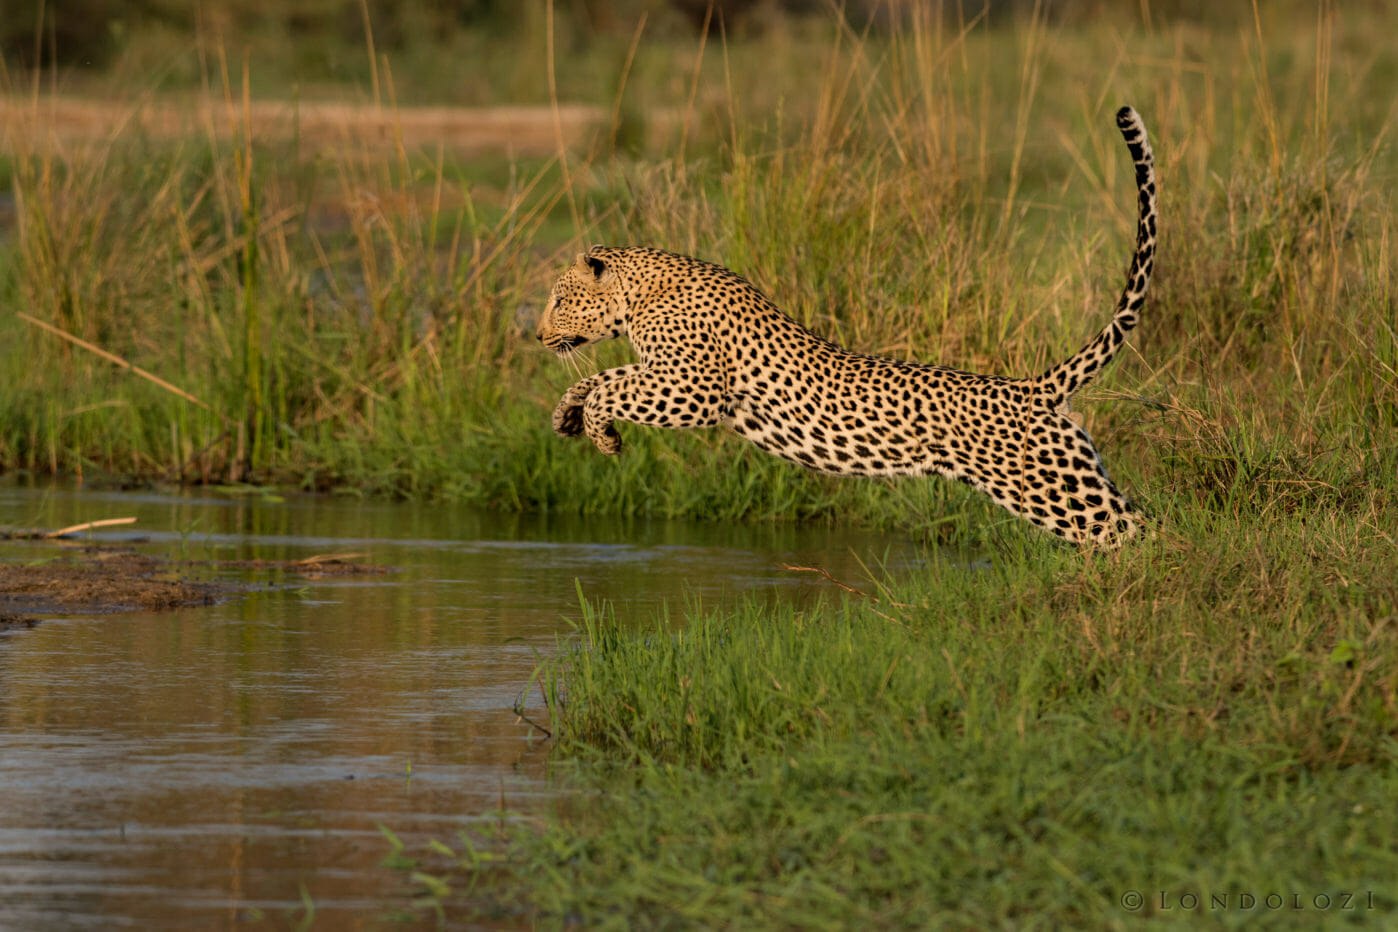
(713, 350)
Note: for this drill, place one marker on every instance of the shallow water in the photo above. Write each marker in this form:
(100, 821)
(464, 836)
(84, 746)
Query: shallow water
(212, 766)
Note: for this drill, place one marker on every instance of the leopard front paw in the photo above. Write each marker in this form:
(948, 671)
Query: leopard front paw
(606, 440)
(568, 415)
(568, 419)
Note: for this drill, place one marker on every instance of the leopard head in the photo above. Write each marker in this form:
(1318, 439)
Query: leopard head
(588, 304)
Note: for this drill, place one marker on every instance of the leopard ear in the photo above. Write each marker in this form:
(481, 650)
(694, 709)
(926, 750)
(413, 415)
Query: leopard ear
(597, 266)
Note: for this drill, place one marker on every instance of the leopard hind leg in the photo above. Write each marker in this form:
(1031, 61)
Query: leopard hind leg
(1064, 487)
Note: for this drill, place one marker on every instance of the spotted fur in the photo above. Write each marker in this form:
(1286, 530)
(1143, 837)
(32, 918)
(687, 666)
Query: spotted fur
(714, 350)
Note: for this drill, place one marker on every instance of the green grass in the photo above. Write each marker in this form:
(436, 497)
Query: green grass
(1014, 741)
(1021, 744)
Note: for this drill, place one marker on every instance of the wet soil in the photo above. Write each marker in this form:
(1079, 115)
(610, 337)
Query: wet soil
(100, 580)
(96, 582)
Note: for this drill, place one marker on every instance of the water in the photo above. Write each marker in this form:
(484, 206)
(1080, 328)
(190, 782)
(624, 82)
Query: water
(212, 766)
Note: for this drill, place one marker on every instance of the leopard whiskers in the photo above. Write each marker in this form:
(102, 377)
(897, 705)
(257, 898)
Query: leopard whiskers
(578, 361)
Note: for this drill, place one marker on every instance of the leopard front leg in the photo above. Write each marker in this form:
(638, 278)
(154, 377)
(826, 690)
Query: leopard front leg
(658, 397)
(568, 415)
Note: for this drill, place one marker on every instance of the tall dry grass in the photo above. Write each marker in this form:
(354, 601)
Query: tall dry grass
(360, 315)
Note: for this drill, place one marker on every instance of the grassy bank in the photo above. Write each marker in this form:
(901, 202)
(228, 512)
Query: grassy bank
(1026, 745)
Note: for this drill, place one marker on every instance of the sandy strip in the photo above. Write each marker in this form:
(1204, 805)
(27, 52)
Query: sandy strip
(61, 121)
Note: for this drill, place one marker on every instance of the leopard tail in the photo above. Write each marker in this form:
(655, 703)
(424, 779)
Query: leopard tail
(1058, 384)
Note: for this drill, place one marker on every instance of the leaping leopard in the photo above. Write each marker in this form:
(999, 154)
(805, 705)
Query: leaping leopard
(714, 350)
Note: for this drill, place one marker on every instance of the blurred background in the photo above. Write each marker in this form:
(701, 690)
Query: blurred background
(95, 33)
(438, 48)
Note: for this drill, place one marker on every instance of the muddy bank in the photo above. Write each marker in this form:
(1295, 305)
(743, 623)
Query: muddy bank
(97, 580)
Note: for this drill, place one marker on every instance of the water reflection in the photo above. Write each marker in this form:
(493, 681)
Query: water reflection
(204, 766)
